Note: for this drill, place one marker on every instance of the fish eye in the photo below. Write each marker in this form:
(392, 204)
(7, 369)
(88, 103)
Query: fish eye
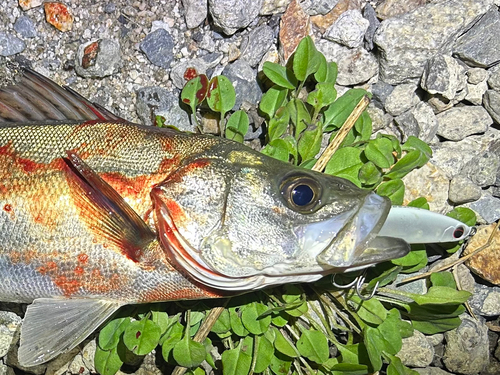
(459, 232)
(301, 193)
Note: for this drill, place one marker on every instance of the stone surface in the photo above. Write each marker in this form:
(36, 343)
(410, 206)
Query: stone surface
(459, 122)
(349, 29)
(28, 4)
(420, 121)
(11, 360)
(381, 91)
(61, 363)
(443, 75)
(180, 72)
(485, 300)
(356, 65)
(158, 47)
(494, 77)
(482, 169)
(317, 7)
(392, 8)
(374, 23)
(491, 101)
(432, 371)
(26, 27)
(195, 12)
(294, 26)
(242, 77)
(486, 263)
(416, 351)
(259, 41)
(476, 92)
(466, 350)
(429, 182)
(323, 22)
(487, 207)
(6, 370)
(9, 331)
(232, 15)
(98, 58)
(476, 75)
(269, 7)
(380, 119)
(401, 99)
(462, 190)
(10, 44)
(58, 15)
(480, 46)
(408, 41)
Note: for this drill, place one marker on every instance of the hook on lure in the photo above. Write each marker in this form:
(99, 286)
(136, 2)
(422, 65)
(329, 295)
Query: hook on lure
(358, 284)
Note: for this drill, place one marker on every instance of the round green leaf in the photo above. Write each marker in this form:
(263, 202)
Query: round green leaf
(346, 163)
(250, 317)
(313, 345)
(110, 334)
(142, 336)
(420, 202)
(379, 151)
(222, 324)
(265, 352)
(272, 100)
(239, 360)
(236, 324)
(283, 345)
(189, 353)
(107, 362)
(405, 165)
(463, 214)
(221, 96)
(277, 149)
(169, 344)
(280, 365)
(394, 190)
(195, 91)
(369, 174)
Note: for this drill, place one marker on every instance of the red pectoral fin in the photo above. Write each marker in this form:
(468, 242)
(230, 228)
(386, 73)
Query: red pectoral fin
(106, 213)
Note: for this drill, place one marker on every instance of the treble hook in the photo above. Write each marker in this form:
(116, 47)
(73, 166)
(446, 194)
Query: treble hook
(347, 286)
(358, 283)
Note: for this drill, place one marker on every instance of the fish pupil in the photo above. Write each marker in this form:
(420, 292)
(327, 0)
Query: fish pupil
(302, 195)
(458, 232)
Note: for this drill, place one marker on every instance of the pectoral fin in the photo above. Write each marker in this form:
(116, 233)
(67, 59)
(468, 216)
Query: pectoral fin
(53, 326)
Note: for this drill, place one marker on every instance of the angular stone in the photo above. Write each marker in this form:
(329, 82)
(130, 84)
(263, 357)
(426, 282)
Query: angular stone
(475, 93)
(349, 29)
(374, 23)
(462, 190)
(459, 122)
(420, 121)
(401, 99)
(465, 278)
(158, 47)
(486, 263)
(58, 15)
(318, 7)
(494, 77)
(480, 46)
(466, 350)
(183, 71)
(10, 44)
(195, 12)
(416, 351)
(259, 41)
(232, 15)
(28, 4)
(355, 65)
(273, 6)
(408, 41)
(485, 300)
(380, 119)
(476, 75)
(392, 8)
(443, 75)
(98, 58)
(26, 27)
(491, 101)
(244, 81)
(482, 169)
(323, 22)
(487, 208)
(381, 91)
(429, 182)
(294, 26)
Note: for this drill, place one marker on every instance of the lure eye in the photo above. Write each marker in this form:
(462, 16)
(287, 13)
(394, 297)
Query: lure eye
(301, 193)
(459, 232)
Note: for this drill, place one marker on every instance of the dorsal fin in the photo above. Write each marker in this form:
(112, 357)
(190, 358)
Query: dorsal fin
(36, 98)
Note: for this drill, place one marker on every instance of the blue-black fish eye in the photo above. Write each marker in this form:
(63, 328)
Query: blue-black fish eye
(459, 232)
(302, 195)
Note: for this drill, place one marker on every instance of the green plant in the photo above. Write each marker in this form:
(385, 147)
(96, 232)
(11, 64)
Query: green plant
(309, 329)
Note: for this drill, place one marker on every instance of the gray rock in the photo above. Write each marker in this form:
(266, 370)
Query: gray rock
(109, 8)
(491, 101)
(273, 6)
(61, 363)
(465, 278)
(493, 368)
(259, 41)
(9, 331)
(416, 287)
(153, 101)
(459, 122)
(195, 12)
(381, 91)
(349, 29)
(98, 58)
(476, 92)
(416, 351)
(380, 119)
(435, 339)
(232, 15)
(370, 14)
(179, 69)
(480, 46)
(26, 27)
(12, 361)
(401, 99)
(462, 190)
(443, 75)
(6, 370)
(487, 207)
(494, 77)
(356, 65)
(420, 121)
(316, 7)
(408, 41)
(244, 81)
(466, 350)
(476, 75)
(482, 169)
(432, 371)
(88, 354)
(485, 300)
(10, 44)
(158, 47)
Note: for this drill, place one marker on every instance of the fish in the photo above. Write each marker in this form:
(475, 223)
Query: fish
(97, 212)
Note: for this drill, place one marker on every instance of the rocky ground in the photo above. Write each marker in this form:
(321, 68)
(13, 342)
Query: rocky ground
(432, 67)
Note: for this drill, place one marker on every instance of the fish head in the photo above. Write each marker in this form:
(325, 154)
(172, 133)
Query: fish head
(245, 221)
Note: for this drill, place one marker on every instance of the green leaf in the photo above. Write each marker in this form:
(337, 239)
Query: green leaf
(420, 202)
(385, 277)
(107, 362)
(306, 59)
(174, 328)
(277, 149)
(349, 369)
(169, 343)
(396, 146)
(443, 279)
(345, 163)
(239, 360)
(250, 317)
(379, 151)
(279, 123)
(371, 311)
(292, 146)
(272, 100)
(413, 143)
(237, 126)
(223, 323)
(322, 72)
(162, 320)
(349, 353)
(195, 91)
(280, 365)
(142, 336)
(396, 367)
(110, 334)
(310, 143)
(264, 354)
(279, 75)
(431, 327)
(236, 324)
(308, 164)
(394, 189)
(369, 174)
(331, 73)
(336, 114)
(283, 345)
(299, 115)
(413, 261)
(363, 127)
(441, 295)
(323, 96)
(463, 214)
(313, 345)
(433, 311)
(405, 165)
(221, 96)
(189, 353)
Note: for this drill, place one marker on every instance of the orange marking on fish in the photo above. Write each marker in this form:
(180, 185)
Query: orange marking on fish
(83, 258)
(7, 208)
(175, 211)
(68, 286)
(79, 270)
